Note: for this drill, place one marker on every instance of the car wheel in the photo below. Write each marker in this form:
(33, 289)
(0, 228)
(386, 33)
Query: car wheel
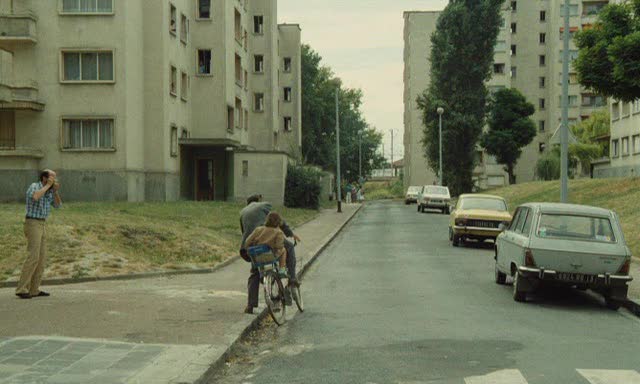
(418, 207)
(518, 295)
(450, 234)
(611, 303)
(422, 209)
(455, 240)
(501, 278)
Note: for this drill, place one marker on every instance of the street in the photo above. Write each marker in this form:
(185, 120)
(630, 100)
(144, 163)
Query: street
(390, 301)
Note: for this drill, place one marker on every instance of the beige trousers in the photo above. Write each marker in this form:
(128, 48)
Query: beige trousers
(34, 231)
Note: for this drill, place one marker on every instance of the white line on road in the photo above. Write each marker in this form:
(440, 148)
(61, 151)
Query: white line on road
(599, 376)
(508, 376)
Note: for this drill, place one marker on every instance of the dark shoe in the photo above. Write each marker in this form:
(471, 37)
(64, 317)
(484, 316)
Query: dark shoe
(288, 300)
(23, 295)
(42, 294)
(248, 310)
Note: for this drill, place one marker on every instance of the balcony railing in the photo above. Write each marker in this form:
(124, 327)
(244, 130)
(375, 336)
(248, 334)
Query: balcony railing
(17, 28)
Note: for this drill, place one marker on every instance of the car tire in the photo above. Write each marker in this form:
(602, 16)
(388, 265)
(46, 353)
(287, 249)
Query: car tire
(450, 234)
(501, 278)
(418, 207)
(455, 240)
(422, 209)
(611, 303)
(518, 295)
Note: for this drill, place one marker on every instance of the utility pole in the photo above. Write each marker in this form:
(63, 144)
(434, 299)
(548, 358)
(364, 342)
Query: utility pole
(564, 129)
(392, 170)
(338, 186)
(359, 156)
(440, 111)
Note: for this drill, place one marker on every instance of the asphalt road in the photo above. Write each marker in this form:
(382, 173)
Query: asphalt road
(390, 301)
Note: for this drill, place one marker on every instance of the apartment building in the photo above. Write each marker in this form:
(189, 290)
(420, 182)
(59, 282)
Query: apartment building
(623, 159)
(148, 100)
(528, 57)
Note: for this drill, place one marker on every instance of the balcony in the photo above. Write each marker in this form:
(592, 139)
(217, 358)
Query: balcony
(20, 152)
(17, 29)
(20, 97)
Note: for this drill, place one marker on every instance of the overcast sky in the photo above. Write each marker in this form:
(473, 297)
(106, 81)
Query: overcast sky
(362, 41)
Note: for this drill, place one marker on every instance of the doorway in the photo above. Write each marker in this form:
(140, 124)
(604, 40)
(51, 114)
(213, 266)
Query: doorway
(205, 177)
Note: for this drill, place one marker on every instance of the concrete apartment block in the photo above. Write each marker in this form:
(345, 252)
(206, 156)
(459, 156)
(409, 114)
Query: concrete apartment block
(623, 159)
(528, 56)
(143, 100)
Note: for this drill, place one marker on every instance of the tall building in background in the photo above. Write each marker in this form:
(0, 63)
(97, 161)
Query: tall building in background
(528, 57)
(148, 100)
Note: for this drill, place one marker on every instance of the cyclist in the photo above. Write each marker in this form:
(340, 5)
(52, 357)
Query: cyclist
(270, 234)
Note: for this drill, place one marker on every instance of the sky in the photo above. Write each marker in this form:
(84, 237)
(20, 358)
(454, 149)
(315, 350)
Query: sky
(362, 41)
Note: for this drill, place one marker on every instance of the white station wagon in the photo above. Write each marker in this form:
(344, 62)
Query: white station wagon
(564, 244)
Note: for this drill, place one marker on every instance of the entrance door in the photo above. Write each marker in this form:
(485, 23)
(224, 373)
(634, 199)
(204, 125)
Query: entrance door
(7, 130)
(205, 190)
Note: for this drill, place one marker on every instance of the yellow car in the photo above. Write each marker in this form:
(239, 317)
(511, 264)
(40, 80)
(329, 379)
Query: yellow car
(478, 217)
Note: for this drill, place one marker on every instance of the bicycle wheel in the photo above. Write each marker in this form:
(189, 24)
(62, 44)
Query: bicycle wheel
(274, 297)
(297, 296)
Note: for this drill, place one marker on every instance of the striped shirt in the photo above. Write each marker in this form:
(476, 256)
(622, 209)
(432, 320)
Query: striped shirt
(39, 209)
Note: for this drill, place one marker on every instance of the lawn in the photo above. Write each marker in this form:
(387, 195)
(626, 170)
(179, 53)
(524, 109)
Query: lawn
(620, 195)
(102, 239)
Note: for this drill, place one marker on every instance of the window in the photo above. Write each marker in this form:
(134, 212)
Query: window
(541, 103)
(542, 82)
(589, 100)
(573, 100)
(615, 110)
(258, 66)
(204, 9)
(238, 26)
(543, 15)
(501, 46)
(204, 61)
(514, 6)
(636, 144)
(88, 134)
(87, 6)
(542, 147)
(636, 106)
(572, 33)
(173, 81)
(514, 72)
(287, 94)
(173, 146)
(573, 10)
(184, 29)
(245, 168)
(287, 124)
(543, 38)
(238, 71)
(184, 86)
(514, 50)
(542, 60)
(87, 66)
(615, 148)
(230, 119)
(246, 119)
(258, 104)
(516, 218)
(514, 27)
(626, 109)
(258, 25)
(526, 229)
(173, 19)
(238, 114)
(287, 64)
(498, 69)
(576, 228)
(522, 220)
(590, 9)
(541, 125)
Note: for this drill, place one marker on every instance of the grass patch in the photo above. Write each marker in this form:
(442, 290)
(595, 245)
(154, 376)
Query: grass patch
(99, 239)
(619, 195)
(384, 190)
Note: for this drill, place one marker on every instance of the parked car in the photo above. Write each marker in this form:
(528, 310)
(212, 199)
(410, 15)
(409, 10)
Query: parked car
(564, 244)
(412, 195)
(478, 217)
(434, 197)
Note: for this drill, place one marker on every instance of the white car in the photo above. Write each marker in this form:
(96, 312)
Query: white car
(564, 244)
(412, 195)
(434, 197)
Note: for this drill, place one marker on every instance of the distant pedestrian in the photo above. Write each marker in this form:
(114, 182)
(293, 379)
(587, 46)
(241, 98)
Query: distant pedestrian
(348, 190)
(40, 197)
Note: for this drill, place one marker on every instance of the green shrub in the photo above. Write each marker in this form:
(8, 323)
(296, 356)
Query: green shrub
(302, 187)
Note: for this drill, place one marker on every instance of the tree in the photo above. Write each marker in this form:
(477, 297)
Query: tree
(318, 121)
(510, 128)
(461, 62)
(589, 133)
(609, 58)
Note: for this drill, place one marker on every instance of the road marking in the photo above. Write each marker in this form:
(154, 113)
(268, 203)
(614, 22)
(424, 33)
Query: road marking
(507, 376)
(600, 376)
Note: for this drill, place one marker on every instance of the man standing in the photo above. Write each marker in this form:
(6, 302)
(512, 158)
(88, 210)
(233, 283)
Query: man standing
(251, 217)
(40, 197)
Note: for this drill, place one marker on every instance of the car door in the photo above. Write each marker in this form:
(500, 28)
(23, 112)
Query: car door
(505, 242)
(521, 235)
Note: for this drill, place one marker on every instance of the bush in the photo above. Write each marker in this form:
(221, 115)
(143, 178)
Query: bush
(302, 188)
(548, 167)
(384, 190)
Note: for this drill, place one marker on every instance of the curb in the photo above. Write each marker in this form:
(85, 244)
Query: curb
(220, 361)
(133, 276)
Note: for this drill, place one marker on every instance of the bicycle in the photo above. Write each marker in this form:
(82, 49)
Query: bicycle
(266, 262)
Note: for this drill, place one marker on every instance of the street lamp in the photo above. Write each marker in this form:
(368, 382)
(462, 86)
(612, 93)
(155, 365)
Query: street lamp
(359, 155)
(440, 111)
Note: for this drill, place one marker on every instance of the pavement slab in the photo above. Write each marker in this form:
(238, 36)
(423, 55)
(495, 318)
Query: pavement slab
(160, 330)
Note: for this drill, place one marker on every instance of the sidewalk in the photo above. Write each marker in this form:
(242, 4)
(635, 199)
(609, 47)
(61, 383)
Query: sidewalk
(634, 287)
(160, 330)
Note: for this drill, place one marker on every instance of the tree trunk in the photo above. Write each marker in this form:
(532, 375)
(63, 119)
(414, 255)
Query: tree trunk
(512, 177)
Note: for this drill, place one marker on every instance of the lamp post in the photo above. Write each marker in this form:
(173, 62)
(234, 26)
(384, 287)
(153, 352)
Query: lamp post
(440, 111)
(338, 186)
(564, 129)
(359, 155)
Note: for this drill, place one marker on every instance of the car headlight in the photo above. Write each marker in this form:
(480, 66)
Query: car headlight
(461, 222)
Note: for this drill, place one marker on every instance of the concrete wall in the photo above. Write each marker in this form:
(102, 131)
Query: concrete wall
(266, 175)
(290, 46)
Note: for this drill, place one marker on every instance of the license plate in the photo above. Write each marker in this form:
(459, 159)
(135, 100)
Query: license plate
(577, 277)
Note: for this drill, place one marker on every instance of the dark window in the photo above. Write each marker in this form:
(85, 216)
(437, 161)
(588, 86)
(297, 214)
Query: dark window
(543, 15)
(521, 220)
(527, 224)
(541, 125)
(543, 38)
(287, 94)
(542, 82)
(514, 27)
(287, 64)
(514, 6)
(516, 217)
(230, 119)
(258, 25)
(543, 60)
(204, 9)
(542, 147)
(498, 69)
(258, 65)
(513, 50)
(541, 103)
(245, 168)
(204, 61)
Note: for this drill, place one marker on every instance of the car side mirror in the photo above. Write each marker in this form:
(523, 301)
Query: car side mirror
(502, 227)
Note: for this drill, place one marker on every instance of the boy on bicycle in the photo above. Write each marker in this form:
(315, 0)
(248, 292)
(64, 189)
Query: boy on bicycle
(271, 235)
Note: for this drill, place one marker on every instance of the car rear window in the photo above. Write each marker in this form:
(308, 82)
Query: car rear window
(414, 190)
(573, 227)
(483, 204)
(437, 191)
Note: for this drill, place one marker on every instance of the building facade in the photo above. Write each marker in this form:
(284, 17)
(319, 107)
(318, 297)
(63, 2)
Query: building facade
(624, 147)
(528, 57)
(148, 100)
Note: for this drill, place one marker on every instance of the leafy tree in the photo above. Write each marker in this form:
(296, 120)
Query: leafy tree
(461, 62)
(609, 58)
(588, 132)
(318, 121)
(548, 166)
(510, 128)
